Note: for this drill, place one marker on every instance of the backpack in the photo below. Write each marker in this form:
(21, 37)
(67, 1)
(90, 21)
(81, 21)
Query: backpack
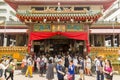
(1, 72)
(42, 63)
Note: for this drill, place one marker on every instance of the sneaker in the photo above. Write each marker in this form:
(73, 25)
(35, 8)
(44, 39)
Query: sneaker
(31, 76)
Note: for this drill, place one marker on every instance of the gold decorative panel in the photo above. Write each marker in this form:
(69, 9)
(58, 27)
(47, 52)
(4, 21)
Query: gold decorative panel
(58, 28)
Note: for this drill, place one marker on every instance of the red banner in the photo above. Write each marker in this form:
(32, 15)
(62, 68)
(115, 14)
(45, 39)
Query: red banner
(71, 35)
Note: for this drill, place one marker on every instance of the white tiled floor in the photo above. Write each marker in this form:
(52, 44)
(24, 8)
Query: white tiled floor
(19, 76)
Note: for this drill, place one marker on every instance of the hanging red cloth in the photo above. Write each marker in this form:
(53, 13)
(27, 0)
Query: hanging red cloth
(45, 35)
(76, 35)
(72, 35)
(41, 35)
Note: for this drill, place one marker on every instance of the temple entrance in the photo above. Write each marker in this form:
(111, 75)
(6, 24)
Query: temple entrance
(59, 45)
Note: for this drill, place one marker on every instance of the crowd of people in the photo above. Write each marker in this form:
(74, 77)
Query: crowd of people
(65, 66)
(7, 67)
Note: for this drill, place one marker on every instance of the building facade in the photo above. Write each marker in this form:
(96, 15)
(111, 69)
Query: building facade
(60, 17)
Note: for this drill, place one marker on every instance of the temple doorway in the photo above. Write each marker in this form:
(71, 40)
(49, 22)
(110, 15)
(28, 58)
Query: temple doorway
(61, 45)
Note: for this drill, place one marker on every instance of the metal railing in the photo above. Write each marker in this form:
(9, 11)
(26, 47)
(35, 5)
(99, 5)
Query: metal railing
(14, 23)
(14, 48)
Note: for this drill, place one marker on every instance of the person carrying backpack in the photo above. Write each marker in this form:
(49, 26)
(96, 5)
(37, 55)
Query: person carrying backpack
(30, 64)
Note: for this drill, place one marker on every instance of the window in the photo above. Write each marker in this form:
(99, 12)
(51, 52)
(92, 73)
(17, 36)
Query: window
(2, 18)
(2, 3)
(38, 8)
(81, 8)
(3, 11)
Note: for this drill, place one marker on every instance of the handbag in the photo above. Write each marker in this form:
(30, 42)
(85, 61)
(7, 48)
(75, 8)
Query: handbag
(108, 76)
(69, 77)
(22, 65)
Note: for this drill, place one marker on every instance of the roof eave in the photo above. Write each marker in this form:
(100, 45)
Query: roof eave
(14, 4)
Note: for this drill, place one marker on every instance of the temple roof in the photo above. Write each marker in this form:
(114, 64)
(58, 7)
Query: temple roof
(58, 16)
(14, 3)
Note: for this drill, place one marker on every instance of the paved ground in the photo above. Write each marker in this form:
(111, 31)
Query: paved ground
(19, 76)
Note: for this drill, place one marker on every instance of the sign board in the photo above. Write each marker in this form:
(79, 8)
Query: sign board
(42, 27)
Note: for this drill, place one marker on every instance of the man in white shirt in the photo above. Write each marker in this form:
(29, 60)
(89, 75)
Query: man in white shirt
(99, 67)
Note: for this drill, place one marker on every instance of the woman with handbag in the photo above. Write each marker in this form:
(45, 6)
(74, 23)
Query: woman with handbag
(108, 70)
(60, 72)
(71, 71)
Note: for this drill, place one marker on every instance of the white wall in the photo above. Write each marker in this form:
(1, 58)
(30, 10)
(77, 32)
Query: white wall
(7, 14)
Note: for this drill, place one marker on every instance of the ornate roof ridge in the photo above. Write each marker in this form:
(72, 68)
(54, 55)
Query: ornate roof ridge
(59, 1)
(14, 3)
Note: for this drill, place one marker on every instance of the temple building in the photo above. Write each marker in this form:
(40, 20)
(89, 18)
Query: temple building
(56, 26)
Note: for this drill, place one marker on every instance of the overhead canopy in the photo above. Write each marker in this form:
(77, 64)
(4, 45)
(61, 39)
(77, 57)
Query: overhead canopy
(71, 35)
(104, 31)
(13, 30)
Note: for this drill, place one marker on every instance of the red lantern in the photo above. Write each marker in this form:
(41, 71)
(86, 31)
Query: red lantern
(40, 18)
(23, 17)
(81, 17)
(68, 18)
(52, 18)
(64, 18)
(33, 17)
(92, 17)
(89, 17)
(56, 18)
(85, 17)
(20, 17)
(36, 18)
(48, 18)
(61, 18)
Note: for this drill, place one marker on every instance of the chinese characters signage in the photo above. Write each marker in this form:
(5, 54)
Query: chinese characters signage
(58, 27)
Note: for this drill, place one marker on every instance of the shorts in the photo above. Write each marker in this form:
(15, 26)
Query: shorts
(88, 67)
(81, 71)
